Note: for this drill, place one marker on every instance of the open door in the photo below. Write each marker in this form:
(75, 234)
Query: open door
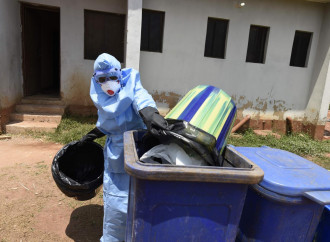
(41, 49)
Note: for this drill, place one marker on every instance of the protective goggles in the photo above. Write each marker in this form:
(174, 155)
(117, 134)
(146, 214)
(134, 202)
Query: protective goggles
(108, 75)
(103, 79)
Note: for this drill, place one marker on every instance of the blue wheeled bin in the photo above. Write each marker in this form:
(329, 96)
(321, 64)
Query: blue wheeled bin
(323, 229)
(287, 204)
(185, 203)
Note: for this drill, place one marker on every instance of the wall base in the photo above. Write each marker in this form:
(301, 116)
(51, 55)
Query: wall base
(283, 127)
(279, 126)
(5, 117)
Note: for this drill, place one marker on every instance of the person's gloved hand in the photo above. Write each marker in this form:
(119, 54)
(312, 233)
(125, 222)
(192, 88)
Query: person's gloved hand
(91, 135)
(154, 121)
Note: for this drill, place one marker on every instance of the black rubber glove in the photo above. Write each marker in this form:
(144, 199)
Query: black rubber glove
(154, 121)
(91, 135)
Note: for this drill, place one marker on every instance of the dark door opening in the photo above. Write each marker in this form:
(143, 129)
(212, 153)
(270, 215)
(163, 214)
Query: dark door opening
(41, 49)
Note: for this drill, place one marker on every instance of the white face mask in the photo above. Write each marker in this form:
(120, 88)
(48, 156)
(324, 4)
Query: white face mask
(110, 87)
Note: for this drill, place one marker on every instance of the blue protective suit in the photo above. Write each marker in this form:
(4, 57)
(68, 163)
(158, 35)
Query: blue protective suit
(116, 115)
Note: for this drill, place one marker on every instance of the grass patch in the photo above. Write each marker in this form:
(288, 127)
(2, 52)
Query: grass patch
(300, 144)
(75, 127)
(70, 129)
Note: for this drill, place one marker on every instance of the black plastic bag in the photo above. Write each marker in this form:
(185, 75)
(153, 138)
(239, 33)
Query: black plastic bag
(78, 168)
(190, 137)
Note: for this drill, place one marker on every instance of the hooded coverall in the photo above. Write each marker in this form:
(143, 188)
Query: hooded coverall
(116, 115)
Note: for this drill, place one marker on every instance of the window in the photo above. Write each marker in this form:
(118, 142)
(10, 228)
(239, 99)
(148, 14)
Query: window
(152, 30)
(216, 37)
(300, 49)
(258, 38)
(104, 33)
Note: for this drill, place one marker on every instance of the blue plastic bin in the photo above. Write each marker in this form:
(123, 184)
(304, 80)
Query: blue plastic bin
(288, 203)
(323, 229)
(185, 203)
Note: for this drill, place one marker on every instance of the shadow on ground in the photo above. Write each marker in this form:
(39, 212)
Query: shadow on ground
(86, 223)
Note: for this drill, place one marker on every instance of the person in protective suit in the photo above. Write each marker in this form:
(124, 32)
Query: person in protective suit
(123, 104)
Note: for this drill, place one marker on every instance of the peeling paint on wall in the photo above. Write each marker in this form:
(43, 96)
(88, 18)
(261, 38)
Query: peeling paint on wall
(279, 108)
(261, 106)
(241, 102)
(168, 98)
(313, 117)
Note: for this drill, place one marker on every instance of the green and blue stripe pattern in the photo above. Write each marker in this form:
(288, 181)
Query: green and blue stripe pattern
(208, 108)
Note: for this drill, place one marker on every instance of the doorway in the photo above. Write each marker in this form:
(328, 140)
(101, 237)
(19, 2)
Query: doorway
(41, 50)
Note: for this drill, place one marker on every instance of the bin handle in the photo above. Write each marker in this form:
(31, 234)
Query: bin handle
(321, 197)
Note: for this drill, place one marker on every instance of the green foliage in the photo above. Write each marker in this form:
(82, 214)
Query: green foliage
(300, 144)
(74, 128)
(71, 128)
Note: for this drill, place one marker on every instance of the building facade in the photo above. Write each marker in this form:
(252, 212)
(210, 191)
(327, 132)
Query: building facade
(271, 56)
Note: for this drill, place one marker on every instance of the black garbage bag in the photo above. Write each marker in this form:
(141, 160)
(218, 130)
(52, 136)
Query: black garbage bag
(78, 168)
(188, 137)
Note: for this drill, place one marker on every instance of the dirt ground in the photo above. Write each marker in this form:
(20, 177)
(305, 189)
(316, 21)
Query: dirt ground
(31, 206)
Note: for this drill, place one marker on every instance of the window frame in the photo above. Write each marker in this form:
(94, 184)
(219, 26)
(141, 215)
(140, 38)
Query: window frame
(121, 56)
(307, 50)
(227, 21)
(265, 44)
(160, 50)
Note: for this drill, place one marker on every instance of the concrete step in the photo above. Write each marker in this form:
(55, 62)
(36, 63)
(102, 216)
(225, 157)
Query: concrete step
(40, 117)
(42, 101)
(40, 108)
(25, 126)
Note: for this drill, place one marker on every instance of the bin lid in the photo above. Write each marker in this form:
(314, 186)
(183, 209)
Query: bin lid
(287, 173)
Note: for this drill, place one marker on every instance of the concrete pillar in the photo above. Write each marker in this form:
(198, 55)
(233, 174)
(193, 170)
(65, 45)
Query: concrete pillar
(325, 98)
(317, 107)
(134, 20)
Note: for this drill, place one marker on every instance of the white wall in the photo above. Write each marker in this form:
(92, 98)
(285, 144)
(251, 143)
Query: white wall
(265, 90)
(271, 90)
(10, 54)
(319, 98)
(75, 70)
